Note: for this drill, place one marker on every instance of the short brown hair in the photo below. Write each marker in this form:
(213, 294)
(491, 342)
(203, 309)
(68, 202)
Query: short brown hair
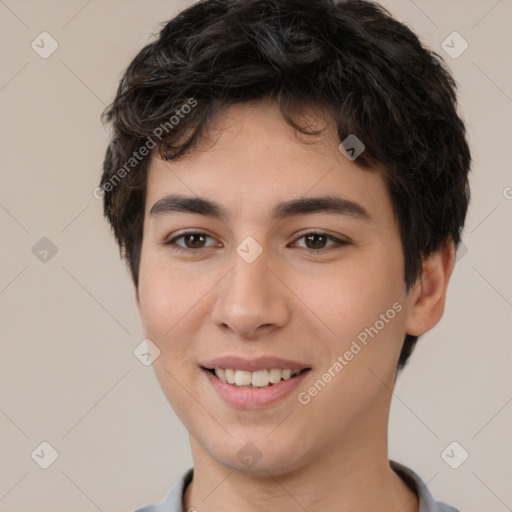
(352, 57)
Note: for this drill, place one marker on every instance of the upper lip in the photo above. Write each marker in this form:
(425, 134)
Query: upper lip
(252, 365)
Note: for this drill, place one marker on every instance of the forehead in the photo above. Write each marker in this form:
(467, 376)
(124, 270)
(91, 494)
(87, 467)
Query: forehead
(253, 160)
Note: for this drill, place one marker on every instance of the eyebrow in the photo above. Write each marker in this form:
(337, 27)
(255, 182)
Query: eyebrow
(302, 206)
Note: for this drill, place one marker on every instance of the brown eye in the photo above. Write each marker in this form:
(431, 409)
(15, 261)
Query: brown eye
(193, 240)
(316, 241)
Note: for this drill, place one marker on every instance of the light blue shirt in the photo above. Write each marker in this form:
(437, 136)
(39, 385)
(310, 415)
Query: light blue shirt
(173, 502)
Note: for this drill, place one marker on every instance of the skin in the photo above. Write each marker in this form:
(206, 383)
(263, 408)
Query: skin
(330, 454)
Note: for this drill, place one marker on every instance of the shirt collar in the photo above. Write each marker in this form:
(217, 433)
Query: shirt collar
(173, 502)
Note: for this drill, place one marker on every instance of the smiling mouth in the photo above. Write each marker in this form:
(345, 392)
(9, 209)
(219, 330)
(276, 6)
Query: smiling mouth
(256, 379)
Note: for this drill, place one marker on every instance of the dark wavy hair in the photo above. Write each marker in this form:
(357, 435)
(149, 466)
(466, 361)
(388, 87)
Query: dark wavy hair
(350, 58)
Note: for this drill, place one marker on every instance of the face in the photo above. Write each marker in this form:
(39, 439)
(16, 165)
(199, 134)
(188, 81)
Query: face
(274, 271)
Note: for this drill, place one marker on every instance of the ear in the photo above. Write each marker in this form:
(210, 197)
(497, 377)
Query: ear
(427, 298)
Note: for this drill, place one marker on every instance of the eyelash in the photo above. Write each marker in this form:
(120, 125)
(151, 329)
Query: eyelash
(338, 242)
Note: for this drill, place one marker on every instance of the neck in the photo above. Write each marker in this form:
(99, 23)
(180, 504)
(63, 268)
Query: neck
(343, 478)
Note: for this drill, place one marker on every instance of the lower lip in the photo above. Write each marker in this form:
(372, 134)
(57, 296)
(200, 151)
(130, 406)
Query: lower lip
(253, 398)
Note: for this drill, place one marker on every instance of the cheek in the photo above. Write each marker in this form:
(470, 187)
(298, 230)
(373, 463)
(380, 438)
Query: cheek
(366, 312)
(364, 301)
(157, 303)
(173, 307)
(165, 301)
(165, 297)
(355, 295)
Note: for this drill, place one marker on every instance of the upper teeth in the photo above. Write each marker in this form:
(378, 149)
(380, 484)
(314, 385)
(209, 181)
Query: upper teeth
(259, 378)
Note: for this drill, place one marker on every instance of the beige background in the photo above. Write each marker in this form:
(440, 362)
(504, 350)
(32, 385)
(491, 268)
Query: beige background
(69, 325)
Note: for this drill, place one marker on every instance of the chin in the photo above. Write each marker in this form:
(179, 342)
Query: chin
(258, 458)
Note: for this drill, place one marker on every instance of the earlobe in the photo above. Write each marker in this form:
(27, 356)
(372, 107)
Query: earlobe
(427, 298)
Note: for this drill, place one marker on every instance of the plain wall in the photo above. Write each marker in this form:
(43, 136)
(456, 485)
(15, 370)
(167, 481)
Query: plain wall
(69, 325)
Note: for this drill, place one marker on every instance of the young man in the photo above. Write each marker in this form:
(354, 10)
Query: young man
(287, 180)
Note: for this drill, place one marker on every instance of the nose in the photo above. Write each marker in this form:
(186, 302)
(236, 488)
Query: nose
(252, 299)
